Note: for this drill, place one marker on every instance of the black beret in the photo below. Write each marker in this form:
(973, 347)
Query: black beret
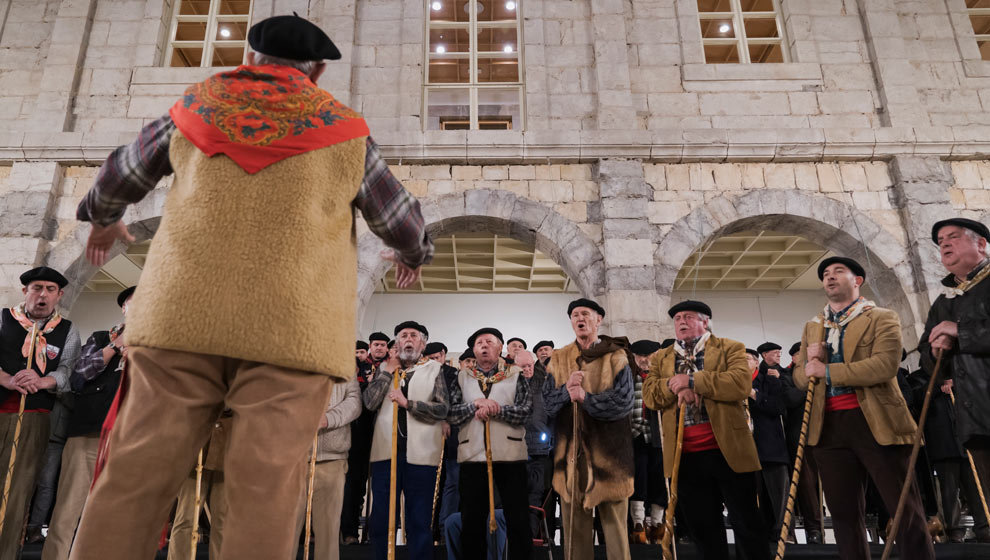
(795, 348)
(466, 355)
(690, 305)
(378, 336)
(433, 348)
(584, 302)
(667, 343)
(122, 296)
(978, 227)
(903, 354)
(543, 343)
(361, 345)
(390, 344)
(411, 325)
(644, 347)
(849, 263)
(517, 339)
(45, 274)
(767, 347)
(292, 38)
(753, 353)
(487, 330)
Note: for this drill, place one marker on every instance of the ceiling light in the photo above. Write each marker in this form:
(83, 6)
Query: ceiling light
(436, 6)
(510, 5)
(441, 49)
(507, 48)
(724, 28)
(224, 32)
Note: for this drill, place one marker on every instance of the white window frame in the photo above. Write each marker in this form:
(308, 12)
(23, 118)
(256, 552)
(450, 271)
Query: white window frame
(742, 42)
(985, 37)
(472, 55)
(212, 19)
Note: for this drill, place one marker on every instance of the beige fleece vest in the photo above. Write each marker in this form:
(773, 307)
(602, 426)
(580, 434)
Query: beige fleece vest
(258, 267)
(424, 440)
(508, 441)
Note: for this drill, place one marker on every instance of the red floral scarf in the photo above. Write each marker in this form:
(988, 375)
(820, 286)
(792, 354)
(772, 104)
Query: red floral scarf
(259, 115)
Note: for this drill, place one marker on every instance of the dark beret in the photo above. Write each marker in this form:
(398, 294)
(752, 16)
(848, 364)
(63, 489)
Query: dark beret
(543, 343)
(584, 302)
(753, 353)
(487, 330)
(45, 274)
(690, 305)
(433, 348)
(667, 343)
(767, 347)
(122, 296)
(644, 347)
(849, 263)
(378, 336)
(390, 344)
(517, 339)
(361, 345)
(292, 38)
(903, 354)
(411, 325)
(795, 348)
(978, 227)
(466, 355)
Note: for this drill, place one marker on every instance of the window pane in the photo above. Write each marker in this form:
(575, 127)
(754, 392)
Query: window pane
(714, 6)
(190, 31)
(186, 56)
(449, 71)
(984, 49)
(717, 54)
(498, 109)
(717, 29)
(766, 53)
(761, 28)
(504, 9)
(449, 10)
(446, 105)
(449, 41)
(499, 39)
(235, 7)
(231, 31)
(498, 70)
(978, 3)
(227, 56)
(981, 24)
(756, 5)
(194, 7)
(486, 10)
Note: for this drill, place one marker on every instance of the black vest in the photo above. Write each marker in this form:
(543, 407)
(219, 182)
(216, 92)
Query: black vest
(93, 400)
(12, 336)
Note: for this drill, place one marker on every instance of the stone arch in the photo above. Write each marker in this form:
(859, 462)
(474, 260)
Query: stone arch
(833, 224)
(501, 213)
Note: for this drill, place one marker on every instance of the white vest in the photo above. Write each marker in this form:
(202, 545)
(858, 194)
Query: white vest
(508, 442)
(423, 442)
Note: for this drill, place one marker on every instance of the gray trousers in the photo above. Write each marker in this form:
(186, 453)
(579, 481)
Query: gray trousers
(44, 495)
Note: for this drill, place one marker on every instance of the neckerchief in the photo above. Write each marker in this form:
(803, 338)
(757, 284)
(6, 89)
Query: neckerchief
(259, 115)
(836, 324)
(401, 372)
(964, 286)
(501, 372)
(41, 345)
(689, 364)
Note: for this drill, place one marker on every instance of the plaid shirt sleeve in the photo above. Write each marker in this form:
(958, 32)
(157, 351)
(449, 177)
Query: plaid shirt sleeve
(89, 365)
(435, 409)
(460, 411)
(391, 212)
(129, 174)
(517, 413)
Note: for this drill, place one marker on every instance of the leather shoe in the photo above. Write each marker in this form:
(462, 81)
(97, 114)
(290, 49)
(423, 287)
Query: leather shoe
(33, 535)
(814, 537)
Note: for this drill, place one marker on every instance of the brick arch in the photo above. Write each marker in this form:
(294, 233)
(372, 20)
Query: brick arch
(832, 224)
(501, 213)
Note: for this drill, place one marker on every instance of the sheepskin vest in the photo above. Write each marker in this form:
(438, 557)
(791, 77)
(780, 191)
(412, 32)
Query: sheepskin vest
(603, 471)
(260, 267)
(508, 442)
(424, 440)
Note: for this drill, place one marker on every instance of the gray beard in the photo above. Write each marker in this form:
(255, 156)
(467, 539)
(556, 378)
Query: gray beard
(408, 356)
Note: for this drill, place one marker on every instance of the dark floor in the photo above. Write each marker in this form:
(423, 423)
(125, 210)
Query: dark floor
(639, 552)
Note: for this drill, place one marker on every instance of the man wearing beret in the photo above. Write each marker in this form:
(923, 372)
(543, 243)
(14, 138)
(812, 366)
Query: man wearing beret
(268, 168)
(361, 351)
(543, 351)
(423, 403)
(860, 427)
(710, 376)
(649, 487)
(958, 328)
(513, 346)
(767, 408)
(493, 393)
(54, 351)
(589, 389)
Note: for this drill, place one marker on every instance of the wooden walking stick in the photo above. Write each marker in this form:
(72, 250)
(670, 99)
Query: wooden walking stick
(976, 474)
(393, 472)
(491, 480)
(436, 487)
(572, 462)
(309, 498)
(197, 503)
(909, 479)
(17, 432)
(668, 521)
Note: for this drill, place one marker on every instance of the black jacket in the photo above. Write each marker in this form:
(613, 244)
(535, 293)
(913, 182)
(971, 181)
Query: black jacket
(539, 429)
(767, 411)
(969, 362)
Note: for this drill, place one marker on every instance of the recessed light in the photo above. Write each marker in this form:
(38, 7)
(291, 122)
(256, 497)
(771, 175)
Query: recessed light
(724, 28)
(510, 5)
(224, 32)
(436, 6)
(507, 48)
(441, 49)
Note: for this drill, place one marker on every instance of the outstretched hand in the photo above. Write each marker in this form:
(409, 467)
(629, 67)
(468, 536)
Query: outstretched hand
(404, 276)
(101, 239)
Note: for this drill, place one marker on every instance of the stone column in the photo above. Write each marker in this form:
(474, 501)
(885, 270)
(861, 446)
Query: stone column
(632, 301)
(337, 18)
(615, 106)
